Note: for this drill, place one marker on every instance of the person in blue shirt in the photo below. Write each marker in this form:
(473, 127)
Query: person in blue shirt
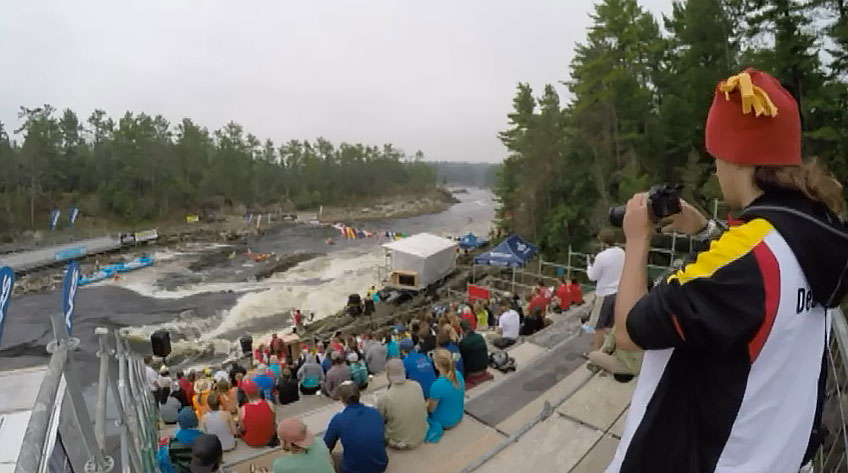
(443, 340)
(446, 402)
(418, 366)
(360, 429)
(188, 431)
(265, 382)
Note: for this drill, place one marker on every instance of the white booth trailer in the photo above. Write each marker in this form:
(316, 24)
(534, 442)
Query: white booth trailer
(419, 260)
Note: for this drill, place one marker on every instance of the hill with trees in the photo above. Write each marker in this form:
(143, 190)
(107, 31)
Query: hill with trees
(466, 174)
(640, 89)
(141, 167)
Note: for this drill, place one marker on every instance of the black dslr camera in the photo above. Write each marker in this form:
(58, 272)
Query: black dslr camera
(663, 200)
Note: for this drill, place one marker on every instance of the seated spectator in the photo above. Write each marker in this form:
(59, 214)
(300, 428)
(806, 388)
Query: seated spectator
(305, 455)
(336, 343)
(337, 374)
(360, 429)
(265, 381)
(508, 326)
(444, 341)
(287, 388)
(468, 316)
(228, 402)
(261, 353)
(327, 362)
(186, 385)
(310, 376)
(235, 369)
(538, 302)
(475, 356)
(256, 418)
(170, 409)
(418, 366)
(533, 323)
(623, 365)
(358, 371)
(481, 314)
(237, 392)
(576, 292)
(202, 388)
(164, 381)
(403, 408)
(426, 339)
(275, 367)
(207, 456)
(375, 357)
(392, 348)
(446, 402)
(188, 431)
(563, 294)
(220, 423)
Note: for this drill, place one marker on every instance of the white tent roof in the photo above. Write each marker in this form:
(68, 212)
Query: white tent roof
(422, 244)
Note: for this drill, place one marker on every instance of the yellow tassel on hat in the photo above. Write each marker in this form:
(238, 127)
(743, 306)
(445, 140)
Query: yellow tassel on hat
(752, 96)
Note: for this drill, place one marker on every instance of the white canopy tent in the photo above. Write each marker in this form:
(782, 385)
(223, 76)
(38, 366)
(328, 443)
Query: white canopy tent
(420, 260)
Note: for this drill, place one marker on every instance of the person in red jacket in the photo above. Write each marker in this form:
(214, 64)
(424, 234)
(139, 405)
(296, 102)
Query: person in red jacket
(563, 293)
(576, 292)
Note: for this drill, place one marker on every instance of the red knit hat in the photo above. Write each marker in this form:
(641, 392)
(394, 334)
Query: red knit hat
(754, 120)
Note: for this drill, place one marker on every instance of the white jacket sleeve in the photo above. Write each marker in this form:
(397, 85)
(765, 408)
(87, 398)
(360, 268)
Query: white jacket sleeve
(593, 271)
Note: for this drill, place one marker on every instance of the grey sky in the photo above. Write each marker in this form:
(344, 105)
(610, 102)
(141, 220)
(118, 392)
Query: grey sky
(437, 75)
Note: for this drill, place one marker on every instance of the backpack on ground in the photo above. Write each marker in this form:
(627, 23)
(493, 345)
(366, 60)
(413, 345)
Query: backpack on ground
(501, 361)
(180, 455)
(359, 374)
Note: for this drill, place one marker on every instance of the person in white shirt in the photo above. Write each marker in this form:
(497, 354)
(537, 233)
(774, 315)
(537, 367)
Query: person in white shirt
(508, 327)
(605, 270)
(151, 375)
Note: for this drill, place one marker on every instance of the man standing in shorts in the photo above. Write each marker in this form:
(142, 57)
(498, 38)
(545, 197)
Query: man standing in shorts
(605, 270)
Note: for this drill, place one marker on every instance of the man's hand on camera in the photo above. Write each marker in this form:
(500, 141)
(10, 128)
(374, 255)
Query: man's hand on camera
(637, 224)
(688, 222)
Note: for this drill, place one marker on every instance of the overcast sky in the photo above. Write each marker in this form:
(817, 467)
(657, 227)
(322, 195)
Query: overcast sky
(434, 75)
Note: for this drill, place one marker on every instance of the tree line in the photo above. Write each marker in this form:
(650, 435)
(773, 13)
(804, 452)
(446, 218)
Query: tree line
(141, 167)
(465, 173)
(640, 91)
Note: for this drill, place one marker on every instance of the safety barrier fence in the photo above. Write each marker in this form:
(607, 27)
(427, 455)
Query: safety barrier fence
(137, 415)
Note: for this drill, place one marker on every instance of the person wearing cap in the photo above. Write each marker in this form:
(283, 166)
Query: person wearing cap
(256, 418)
(403, 408)
(310, 376)
(287, 388)
(265, 381)
(358, 371)
(338, 373)
(188, 423)
(207, 455)
(305, 455)
(360, 429)
(417, 366)
(735, 342)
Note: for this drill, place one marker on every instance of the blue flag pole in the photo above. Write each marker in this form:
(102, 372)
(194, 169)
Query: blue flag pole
(69, 293)
(7, 280)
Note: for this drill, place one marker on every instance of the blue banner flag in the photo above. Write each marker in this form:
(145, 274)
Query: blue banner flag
(54, 218)
(69, 293)
(7, 279)
(72, 215)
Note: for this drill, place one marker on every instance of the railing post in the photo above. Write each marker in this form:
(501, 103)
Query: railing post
(100, 416)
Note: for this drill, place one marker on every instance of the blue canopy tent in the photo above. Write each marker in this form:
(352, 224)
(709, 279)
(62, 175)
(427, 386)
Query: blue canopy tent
(470, 241)
(512, 252)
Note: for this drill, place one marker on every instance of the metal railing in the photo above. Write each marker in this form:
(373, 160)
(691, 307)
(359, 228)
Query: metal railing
(832, 457)
(137, 416)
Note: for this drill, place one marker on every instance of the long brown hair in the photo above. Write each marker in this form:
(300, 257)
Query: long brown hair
(444, 362)
(810, 179)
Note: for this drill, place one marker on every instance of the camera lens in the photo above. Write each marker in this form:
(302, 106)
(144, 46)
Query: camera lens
(616, 215)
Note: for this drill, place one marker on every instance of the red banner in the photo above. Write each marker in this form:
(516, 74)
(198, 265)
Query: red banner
(477, 292)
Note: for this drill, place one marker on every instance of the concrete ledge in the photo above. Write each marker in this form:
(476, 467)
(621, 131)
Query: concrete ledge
(599, 457)
(531, 409)
(600, 402)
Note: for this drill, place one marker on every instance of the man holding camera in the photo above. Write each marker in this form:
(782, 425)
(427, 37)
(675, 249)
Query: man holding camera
(733, 374)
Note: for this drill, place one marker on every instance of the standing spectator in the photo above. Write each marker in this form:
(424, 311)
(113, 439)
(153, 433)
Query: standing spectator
(275, 367)
(265, 381)
(310, 376)
(338, 374)
(358, 371)
(392, 349)
(256, 418)
(508, 326)
(606, 271)
(445, 341)
(305, 455)
(207, 455)
(481, 314)
(297, 317)
(375, 357)
(287, 388)
(360, 429)
(164, 381)
(219, 423)
(403, 408)
(418, 366)
(475, 353)
(151, 376)
(446, 402)
(468, 316)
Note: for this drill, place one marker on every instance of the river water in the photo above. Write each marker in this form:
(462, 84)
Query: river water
(208, 309)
